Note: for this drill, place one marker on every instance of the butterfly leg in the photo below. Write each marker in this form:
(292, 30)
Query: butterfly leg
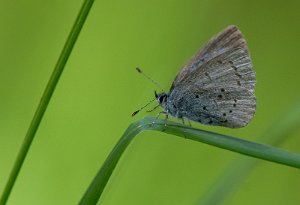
(166, 119)
(157, 116)
(189, 122)
(183, 122)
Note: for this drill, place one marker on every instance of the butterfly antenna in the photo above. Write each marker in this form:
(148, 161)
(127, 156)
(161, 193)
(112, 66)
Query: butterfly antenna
(136, 112)
(141, 72)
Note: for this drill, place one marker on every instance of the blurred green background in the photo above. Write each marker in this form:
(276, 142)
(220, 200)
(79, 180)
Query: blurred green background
(100, 88)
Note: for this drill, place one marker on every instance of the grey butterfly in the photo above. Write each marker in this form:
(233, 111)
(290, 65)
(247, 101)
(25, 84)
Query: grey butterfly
(216, 86)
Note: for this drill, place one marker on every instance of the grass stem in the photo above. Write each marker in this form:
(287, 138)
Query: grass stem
(45, 99)
(242, 146)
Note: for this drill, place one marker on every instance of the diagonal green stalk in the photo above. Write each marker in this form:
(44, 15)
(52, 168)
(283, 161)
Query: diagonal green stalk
(46, 98)
(245, 147)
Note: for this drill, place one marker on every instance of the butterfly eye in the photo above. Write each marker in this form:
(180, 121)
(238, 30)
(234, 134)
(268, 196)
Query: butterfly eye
(161, 99)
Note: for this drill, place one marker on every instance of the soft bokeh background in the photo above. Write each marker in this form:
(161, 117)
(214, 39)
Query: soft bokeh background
(100, 88)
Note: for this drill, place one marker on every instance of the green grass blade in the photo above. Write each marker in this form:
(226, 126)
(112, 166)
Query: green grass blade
(241, 168)
(245, 147)
(98, 184)
(45, 99)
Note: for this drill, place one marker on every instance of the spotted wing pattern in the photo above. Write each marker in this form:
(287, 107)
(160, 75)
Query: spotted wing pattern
(220, 89)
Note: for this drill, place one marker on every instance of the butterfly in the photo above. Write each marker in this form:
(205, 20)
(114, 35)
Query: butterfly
(216, 86)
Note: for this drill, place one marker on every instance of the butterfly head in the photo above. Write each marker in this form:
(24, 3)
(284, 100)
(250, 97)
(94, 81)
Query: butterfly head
(161, 98)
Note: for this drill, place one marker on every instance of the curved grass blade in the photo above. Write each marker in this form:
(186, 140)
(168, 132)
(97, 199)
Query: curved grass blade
(39, 113)
(225, 185)
(245, 147)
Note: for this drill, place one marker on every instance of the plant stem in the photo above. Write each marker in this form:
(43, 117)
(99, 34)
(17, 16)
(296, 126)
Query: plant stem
(46, 98)
(245, 147)
(237, 171)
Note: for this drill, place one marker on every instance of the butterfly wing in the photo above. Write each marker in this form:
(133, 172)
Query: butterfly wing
(220, 90)
(229, 38)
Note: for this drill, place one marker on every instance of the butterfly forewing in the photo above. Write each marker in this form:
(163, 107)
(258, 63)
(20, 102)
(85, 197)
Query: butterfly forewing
(229, 38)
